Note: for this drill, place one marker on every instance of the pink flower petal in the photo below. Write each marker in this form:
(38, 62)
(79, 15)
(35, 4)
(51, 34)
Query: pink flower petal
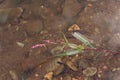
(39, 45)
(49, 42)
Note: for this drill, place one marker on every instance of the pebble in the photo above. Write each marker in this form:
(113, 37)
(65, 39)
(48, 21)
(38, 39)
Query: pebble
(49, 76)
(71, 8)
(36, 75)
(9, 14)
(71, 65)
(20, 44)
(67, 77)
(13, 74)
(53, 66)
(90, 71)
(74, 27)
(32, 26)
(114, 42)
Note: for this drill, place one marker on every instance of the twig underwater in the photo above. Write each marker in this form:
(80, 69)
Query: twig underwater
(75, 49)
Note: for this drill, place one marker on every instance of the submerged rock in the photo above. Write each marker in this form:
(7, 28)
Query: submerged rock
(71, 8)
(114, 42)
(8, 14)
(52, 66)
(90, 71)
(32, 26)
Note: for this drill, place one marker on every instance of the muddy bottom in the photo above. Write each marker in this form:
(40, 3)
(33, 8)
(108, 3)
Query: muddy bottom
(37, 40)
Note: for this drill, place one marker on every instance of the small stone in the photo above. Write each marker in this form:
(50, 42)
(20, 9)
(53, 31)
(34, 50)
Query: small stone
(91, 17)
(13, 74)
(36, 75)
(114, 69)
(49, 76)
(54, 66)
(15, 13)
(99, 75)
(74, 79)
(97, 30)
(32, 27)
(99, 71)
(114, 42)
(118, 68)
(40, 11)
(74, 27)
(9, 14)
(104, 67)
(85, 78)
(67, 77)
(71, 65)
(20, 44)
(90, 71)
(71, 8)
(59, 70)
(56, 24)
